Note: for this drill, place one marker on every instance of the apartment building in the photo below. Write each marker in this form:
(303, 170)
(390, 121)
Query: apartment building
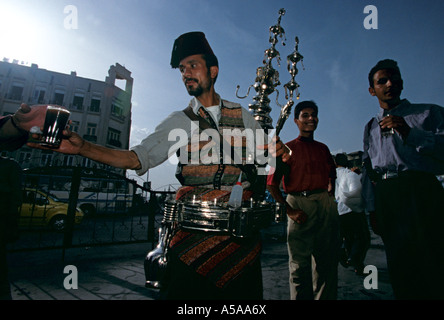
(100, 110)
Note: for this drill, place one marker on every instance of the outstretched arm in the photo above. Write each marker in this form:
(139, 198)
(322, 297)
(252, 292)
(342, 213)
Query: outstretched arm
(74, 144)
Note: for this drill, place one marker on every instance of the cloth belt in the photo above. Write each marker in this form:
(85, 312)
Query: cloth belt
(307, 193)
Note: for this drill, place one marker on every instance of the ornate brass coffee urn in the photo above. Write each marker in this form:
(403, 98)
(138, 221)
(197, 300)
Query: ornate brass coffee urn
(267, 80)
(266, 83)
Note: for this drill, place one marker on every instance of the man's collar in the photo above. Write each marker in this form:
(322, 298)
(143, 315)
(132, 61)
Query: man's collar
(197, 105)
(402, 103)
(305, 139)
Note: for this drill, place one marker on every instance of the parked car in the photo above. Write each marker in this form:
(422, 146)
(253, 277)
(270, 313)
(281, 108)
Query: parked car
(41, 208)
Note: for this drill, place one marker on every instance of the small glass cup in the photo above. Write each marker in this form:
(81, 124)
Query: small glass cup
(56, 121)
(386, 132)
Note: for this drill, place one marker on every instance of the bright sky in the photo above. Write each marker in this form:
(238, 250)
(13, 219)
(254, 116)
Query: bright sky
(338, 53)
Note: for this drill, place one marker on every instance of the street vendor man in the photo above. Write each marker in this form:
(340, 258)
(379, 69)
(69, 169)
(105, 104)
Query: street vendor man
(202, 265)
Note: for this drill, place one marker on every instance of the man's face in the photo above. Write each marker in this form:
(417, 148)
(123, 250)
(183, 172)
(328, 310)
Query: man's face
(307, 120)
(195, 75)
(387, 86)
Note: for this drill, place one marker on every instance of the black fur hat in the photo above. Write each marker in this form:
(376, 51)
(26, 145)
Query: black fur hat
(189, 44)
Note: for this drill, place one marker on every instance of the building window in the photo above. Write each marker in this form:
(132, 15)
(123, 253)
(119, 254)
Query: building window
(114, 138)
(24, 156)
(86, 163)
(75, 125)
(59, 96)
(16, 92)
(77, 101)
(91, 129)
(39, 95)
(68, 161)
(95, 105)
(46, 159)
(116, 110)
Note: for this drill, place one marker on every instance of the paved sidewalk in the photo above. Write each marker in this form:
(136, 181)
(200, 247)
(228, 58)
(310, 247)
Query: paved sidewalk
(116, 273)
(350, 285)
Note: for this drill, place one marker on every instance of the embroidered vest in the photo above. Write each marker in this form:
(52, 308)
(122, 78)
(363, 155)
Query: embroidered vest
(210, 171)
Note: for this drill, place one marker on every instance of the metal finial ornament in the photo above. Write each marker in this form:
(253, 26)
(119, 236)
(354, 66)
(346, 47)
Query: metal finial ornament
(290, 87)
(267, 80)
(275, 32)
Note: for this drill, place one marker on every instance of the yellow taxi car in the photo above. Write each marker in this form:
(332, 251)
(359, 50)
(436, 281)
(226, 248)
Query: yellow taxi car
(40, 208)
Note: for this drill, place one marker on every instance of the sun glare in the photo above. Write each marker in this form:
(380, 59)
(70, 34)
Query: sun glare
(22, 34)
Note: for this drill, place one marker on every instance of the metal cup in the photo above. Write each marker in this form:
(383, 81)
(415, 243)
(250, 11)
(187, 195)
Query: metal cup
(55, 122)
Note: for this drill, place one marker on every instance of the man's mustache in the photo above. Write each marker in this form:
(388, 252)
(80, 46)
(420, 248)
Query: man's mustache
(190, 79)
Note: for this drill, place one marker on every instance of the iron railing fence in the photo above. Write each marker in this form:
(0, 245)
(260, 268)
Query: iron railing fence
(65, 207)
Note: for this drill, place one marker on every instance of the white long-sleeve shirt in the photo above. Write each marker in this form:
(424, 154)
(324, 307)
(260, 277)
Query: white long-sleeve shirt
(157, 147)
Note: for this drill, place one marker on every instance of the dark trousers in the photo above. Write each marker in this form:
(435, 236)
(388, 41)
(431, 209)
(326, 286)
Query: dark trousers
(355, 234)
(410, 217)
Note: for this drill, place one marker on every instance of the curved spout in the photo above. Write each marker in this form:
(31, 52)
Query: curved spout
(248, 92)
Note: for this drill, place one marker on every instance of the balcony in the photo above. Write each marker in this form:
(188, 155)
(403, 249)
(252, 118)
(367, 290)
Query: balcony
(89, 137)
(115, 143)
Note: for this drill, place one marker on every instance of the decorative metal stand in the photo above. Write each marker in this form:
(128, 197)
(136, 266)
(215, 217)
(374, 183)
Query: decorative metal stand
(267, 80)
